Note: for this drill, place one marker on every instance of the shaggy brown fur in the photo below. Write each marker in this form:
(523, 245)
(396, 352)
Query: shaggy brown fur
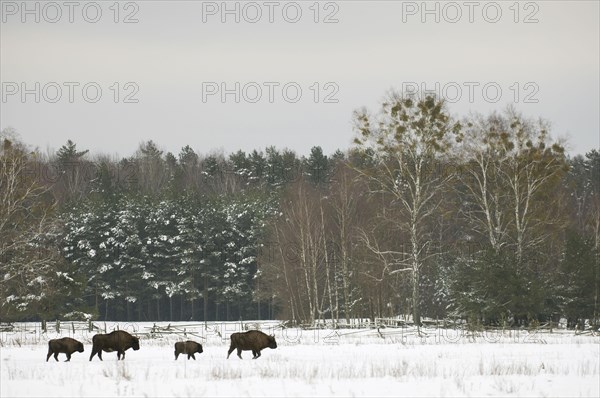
(254, 341)
(66, 345)
(187, 347)
(118, 341)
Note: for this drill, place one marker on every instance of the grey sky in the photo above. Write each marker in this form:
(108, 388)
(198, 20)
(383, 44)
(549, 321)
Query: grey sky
(171, 55)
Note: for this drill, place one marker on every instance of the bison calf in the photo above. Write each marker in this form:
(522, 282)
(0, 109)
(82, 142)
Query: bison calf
(118, 341)
(254, 341)
(66, 345)
(187, 347)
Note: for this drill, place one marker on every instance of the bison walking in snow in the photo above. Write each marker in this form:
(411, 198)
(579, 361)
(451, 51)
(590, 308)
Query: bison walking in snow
(66, 345)
(254, 341)
(187, 347)
(118, 341)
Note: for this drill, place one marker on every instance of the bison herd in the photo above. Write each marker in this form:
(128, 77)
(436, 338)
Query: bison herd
(121, 341)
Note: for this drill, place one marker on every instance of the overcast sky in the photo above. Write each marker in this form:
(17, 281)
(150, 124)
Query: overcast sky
(542, 56)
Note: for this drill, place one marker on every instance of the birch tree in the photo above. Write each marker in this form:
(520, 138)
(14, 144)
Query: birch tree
(31, 270)
(345, 203)
(408, 137)
(511, 169)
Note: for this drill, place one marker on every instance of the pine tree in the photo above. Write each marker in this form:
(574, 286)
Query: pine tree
(317, 167)
(68, 154)
(577, 282)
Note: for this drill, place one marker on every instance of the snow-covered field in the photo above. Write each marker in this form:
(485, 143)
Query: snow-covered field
(311, 363)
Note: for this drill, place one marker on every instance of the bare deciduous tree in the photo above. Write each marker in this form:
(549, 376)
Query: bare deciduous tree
(409, 139)
(28, 264)
(510, 169)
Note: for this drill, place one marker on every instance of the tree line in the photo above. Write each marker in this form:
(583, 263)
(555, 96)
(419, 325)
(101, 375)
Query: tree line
(484, 218)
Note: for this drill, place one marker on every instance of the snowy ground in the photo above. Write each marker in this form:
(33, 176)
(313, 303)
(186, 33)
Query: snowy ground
(312, 363)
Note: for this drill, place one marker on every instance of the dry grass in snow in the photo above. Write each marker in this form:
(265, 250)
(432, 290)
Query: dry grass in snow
(321, 363)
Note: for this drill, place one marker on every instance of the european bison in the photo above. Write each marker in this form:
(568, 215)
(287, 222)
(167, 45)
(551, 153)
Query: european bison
(187, 347)
(66, 345)
(254, 341)
(118, 341)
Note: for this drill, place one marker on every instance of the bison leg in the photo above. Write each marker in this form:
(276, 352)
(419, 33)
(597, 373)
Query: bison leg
(56, 356)
(120, 355)
(257, 354)
(94, 352)
(176, 355)
(231, 348)
(254, 356)
(49, 354)
(68, 357)
(240, 353)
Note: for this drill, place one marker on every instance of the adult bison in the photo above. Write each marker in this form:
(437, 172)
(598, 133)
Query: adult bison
(66, 345)
(187, 347)
(118, 341)
(254, 341)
